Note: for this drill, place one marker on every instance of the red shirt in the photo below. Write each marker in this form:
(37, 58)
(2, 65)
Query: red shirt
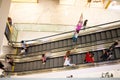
(88, 57)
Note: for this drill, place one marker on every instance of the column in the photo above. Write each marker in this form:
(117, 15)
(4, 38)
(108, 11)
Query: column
(4, 11)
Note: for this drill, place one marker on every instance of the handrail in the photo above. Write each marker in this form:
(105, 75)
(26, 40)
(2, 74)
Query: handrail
(67, 32)
(9, 26)
(12, 30)
(69, 48)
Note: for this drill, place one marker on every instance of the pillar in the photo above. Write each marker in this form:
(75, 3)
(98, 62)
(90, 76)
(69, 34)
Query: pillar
(4, 11)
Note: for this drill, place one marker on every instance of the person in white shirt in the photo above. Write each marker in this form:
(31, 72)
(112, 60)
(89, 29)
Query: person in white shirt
(67, 62)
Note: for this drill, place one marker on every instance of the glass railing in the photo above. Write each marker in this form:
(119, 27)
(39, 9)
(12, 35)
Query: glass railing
(68, 31)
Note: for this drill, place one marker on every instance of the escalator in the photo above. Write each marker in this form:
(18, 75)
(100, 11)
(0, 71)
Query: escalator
(84, 40)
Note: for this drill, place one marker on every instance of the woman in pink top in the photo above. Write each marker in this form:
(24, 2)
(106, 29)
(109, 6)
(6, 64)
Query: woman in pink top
(78, 27)
(80, 24)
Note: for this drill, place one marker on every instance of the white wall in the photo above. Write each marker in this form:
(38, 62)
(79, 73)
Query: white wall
(4, 10)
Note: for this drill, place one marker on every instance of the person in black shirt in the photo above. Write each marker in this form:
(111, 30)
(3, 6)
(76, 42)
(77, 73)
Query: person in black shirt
(105, 55)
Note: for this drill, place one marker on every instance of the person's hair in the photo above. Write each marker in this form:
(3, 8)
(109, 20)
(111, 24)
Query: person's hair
(67, 53)
(43, 55)
(77, 31)
(22, 41)
(71, 76)
(86, 20)
(116, 42)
